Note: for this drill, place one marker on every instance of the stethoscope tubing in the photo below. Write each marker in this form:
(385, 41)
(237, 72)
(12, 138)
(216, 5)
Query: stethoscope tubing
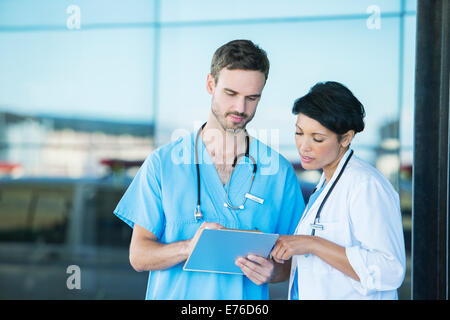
(317, 217)
(198, 214)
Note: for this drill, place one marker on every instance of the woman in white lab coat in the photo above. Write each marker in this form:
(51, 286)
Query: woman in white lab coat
(349, 242)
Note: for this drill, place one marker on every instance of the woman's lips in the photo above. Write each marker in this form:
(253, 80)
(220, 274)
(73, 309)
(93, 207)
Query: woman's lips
(306, 159)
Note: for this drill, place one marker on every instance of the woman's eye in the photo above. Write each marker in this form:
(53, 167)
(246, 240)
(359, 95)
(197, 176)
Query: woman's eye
(316, 140)
(299, 133)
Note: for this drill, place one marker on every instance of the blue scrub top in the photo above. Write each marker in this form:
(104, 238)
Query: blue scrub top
(163, 196)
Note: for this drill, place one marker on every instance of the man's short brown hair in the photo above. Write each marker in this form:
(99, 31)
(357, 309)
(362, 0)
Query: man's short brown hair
(239, 54)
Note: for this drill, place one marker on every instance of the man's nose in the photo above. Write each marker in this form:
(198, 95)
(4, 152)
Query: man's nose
(239, 105)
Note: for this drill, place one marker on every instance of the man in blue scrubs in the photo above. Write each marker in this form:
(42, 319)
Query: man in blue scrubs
(160, 202)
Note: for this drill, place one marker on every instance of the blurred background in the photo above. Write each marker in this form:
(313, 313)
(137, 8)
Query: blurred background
(88, 88)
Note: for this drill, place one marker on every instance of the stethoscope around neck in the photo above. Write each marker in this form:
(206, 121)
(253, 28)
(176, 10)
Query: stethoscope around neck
(316, 225)
(198, 214)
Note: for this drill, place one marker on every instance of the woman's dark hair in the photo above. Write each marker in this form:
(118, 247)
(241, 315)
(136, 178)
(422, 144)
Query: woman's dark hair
(334, 106)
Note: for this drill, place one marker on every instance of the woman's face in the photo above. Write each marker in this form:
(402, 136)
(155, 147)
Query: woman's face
(319, 147)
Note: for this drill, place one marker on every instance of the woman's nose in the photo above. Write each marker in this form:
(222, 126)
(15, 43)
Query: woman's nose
(303, 146)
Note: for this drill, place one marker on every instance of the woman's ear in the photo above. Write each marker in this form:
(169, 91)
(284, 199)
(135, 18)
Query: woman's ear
(210, 83)
(347, 138)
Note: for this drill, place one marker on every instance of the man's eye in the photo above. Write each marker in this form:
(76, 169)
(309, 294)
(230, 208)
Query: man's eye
(252, 98)
(299, 133)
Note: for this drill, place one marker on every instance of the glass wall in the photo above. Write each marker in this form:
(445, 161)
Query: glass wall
(88, 88)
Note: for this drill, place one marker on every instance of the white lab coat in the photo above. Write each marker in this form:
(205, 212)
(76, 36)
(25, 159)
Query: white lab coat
(363, 215)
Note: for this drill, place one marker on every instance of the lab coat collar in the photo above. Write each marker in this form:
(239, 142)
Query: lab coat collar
(319, 200)
(336, 172)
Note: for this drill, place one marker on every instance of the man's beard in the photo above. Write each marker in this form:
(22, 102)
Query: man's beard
(234, 128)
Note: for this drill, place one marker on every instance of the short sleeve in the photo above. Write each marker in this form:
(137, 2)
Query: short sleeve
(141, 204)
(293, 204)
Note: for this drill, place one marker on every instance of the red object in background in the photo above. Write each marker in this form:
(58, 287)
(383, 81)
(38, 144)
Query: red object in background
(406, 168)
(8, 167)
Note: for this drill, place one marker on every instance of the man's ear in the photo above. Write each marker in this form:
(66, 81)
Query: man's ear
(347, 138)
(210, 83)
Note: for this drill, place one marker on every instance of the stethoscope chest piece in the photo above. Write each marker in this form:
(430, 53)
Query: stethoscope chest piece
(198, 214)
(229, 206)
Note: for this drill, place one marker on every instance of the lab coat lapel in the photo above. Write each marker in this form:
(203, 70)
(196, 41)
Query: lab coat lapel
(310, 214)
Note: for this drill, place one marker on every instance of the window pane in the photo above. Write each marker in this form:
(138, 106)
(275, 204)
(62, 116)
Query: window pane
(49, 220)
(55, 13)
(407, 116)
(110, 231)
(31, 213)
(181, 10)
(96, 74)
(14, 209)
(411, 5)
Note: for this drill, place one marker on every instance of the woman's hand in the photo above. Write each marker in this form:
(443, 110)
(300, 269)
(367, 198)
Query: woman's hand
(288, 246)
